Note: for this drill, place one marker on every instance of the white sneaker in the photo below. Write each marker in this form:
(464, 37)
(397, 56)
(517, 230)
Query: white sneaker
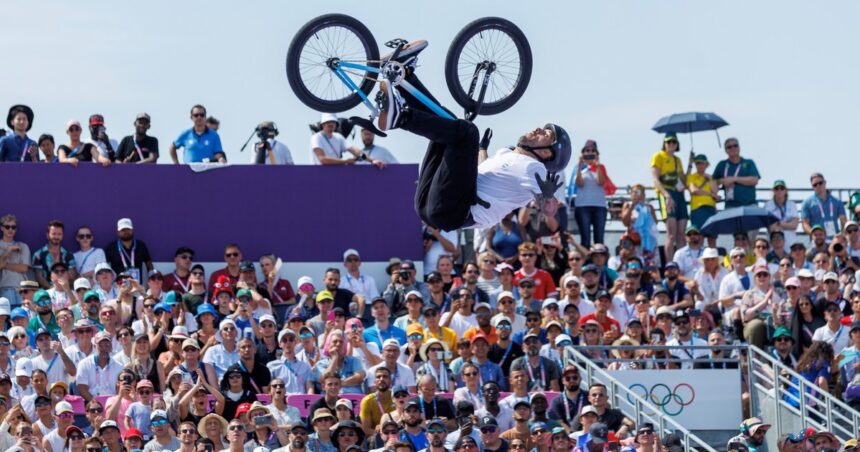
(391, 107)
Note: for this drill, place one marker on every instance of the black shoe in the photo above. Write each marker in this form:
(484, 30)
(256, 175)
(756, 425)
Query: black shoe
(408, 55)
(391, 107)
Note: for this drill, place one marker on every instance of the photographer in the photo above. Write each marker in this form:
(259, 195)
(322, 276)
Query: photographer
(98, 137)
(402, 282)
(269, 150)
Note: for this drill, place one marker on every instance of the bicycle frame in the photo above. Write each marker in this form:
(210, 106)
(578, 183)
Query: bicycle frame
(341, 74)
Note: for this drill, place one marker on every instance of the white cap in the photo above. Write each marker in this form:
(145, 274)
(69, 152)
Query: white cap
(549, 302)
(107, 423)
(23, 368)
(63, 407)
(179, 331)
(267, 317)
(157, 414)
(284, 333)
(103, 266)
(805, 273)
(124, 223)
(501, 318)
(710, 253)
(571, 277)
(830, 276)
(416, 293)
(391, 343)
(505, 294)
(561, 338)
(350, 252)
(737, 251)
(82, 283)
(345, 402)
(4, 306)
(483, 305)
(327, 117)
(305, 280)
(72, 122)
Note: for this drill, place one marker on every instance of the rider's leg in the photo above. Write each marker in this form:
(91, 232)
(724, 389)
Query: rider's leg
(413, 102)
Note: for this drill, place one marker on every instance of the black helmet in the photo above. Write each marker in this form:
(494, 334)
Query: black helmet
(561, 149)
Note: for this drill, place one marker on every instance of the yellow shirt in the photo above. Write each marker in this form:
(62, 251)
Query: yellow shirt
(369, 408)
(704, 182)
(668, 167)
(449, 337)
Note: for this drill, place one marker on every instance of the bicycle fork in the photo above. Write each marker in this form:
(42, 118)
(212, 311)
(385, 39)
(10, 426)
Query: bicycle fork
(489, 67)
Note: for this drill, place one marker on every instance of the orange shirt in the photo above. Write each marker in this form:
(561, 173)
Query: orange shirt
(492, 336)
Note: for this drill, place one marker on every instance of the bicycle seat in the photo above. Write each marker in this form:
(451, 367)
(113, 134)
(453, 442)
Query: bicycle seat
(395, 43)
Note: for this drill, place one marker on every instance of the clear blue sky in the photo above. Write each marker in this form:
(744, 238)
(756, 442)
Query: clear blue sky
(783, 73)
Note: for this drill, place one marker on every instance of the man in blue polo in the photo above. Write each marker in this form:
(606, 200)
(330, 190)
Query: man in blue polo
(382, 327)
(201, 143)
(822, 209)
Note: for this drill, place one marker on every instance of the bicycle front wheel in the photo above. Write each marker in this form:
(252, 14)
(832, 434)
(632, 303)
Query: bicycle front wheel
(489, 40)
(317, 48)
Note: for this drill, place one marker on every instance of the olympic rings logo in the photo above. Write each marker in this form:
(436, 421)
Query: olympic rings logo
(670, 400)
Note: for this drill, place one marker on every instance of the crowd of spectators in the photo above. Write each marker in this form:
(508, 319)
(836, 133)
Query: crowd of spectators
(469, 354)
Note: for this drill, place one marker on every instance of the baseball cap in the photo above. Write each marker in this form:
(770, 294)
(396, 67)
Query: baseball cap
(324, 295)
(124, 223)
(72, 122)
(350, 252)
(671, 266)
(305, 281)
(328, 117)
(245, 407)
(82, 283)
(549, 302)
(483, 306)
(243, 293)
(412, 403)
(246, 266)
(97, 120)
(830, 276)
(737, 251)
(112, 424)
(190, 343)
(133, 433)
(779, 183)
(4, 306)
(391, 343)
(157, 414)
(590, 268)
(435, 421)
(501, 319)
(805, 273)
(752, 424)
(18, 313)
(63, 407)
(599, 433)
(700, 158)
(416, 294)
(103, 336)
(343, 402)
(487, 421)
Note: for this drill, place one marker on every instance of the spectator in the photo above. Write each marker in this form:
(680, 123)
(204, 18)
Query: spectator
(98, 137)
(805, 319)
(779, 250)
(253, 371)
(102, 366)
(433, 405)
(461, 317)
(179, 279)
(488, 281)
(89, 257)
(401, 373)
(717, 358)
(506, 284)
(833, 332)
(689, 257)
(541, 278)
(783, 341)
(237, 434)
(201, 143)
(470, 281)
(613, 418)
(328, 146)
(822, 209)
(213, 123)
(738, 176)
(543, 373)
(220, 356)
(46, 145)
(412, 421)
(703, 195)
(403, 281)
(445, 266)
(14, 261)
(848, 367)
(784, 209)
(565, 406)
(590, 186)
(667, 172)
(45, 257)
(298, 439)
(263, 431)
(814, 367)
(818, 243)
(275, 152)
(683, 334)
(345, 299)
(294, 374)
(504, 238)
(373, 152)
(140, 147)
(753, 431)
(757, 307)
(129, 254)
(354, 280)
(520, 431)
(18, 147)
(77, 151)
(433, 353)
(188, 436)
(640, 217)
(233, 259)
(335, 359)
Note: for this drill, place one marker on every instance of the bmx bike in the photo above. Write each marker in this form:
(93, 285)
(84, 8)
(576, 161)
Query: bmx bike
(333, 63)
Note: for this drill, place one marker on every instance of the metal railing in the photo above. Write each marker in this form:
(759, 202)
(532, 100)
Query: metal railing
(639, 409)
(794, 402)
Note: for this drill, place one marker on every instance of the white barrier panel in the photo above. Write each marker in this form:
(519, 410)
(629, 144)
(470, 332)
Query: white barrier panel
(707, 399)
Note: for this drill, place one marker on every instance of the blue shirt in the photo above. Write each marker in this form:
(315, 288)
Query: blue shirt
(199, 146)
(491, 371)
(350, 367)
(517, 338)
(825, 212)
(377, 336)
(14, 147)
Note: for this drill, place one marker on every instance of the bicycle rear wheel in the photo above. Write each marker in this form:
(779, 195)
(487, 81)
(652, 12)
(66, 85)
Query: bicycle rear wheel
(330, 38)
(489, 40)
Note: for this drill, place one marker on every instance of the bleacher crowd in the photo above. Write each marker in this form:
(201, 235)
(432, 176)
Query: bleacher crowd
(101, 351)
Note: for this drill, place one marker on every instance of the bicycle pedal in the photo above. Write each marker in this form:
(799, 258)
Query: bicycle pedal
(396, 43)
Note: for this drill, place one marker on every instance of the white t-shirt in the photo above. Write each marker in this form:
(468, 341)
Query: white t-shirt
(431, 257)
(688, 354)
(839, 339)
(688, 260)
(621, 310)
(460, 323)
(221, 359)
(709, 285)
(280, 153)
(57, 370)
(8, 278)
(585, 306)
(333, 147)
(518, 322)
(86, 261)
(378, 153)
(100, 381)
(358, 354)
(76, 355)
(506, 181)
(404, 376)
(789, 214)
(364, 285)
(103, 149)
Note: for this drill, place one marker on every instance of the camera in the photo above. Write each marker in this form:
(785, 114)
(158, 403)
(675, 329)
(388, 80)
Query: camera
(265, 133)
(403, 274)
(837, 247)
(263, 420)
(126, 379)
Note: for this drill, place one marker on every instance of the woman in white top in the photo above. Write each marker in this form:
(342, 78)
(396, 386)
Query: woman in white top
(471, 389)
(88, 257)
(784, 209)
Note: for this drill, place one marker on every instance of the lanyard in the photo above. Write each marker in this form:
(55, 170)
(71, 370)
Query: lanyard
(726, 169)
(838, 333)
(53, 360)
(24, 147)
(360, 281)
(821, 208)
(98, 380)
(338, 154)
(253, 383)
(567, 416)
(379, 335)
(435, 412)
(185, 286)
(441, 378)
(477, 400)
(782, 210)
(75, 150)
(122, 254)
(539, 381)
(382, 411)
(84, 260)
(507, 352)
(780, 359)
(137, 148)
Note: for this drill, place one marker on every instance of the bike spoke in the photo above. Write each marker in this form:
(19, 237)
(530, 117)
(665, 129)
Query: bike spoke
(494, 46)
(327, 43)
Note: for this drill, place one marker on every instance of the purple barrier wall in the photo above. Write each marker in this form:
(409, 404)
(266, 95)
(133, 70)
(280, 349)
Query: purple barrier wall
(301, 213)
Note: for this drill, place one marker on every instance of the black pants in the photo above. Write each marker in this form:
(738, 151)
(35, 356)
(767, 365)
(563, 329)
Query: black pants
(448, 183)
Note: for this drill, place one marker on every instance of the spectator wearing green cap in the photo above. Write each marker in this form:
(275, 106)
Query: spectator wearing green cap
(45, 319)
(703, 195)
(669, 182)
(822, 208)
(784, 209)
(737, 175)
(782, 344)
(854, 205)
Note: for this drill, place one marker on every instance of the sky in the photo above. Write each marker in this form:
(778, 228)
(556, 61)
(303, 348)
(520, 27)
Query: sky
(782, 73)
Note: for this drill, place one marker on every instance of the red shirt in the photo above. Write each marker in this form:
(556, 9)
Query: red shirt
(607, 324)
(175, 282)
(542, 279)
(283, 291)
(492, 337)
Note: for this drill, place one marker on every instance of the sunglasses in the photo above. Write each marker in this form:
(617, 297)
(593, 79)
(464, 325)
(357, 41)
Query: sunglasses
(95, 410)
(159, 422)
(434, 430)
(470, 374)
(671, 141)
(238, 428)
(198, 115)
(527, 286)
(144, 392)
(306, 335)
(76, 437)
(231, 254)
(489, 429)
(852, 230)
(228, 328)
(571, 378)
(277, 385)
(732, 146)
(782, 339)
(85, 236)
(390, 432)
(528, 255)
(188, 431)
(815, 184)
(65, 415)
(532, 320)
(574, 259)
(504, 326)
(196, 273)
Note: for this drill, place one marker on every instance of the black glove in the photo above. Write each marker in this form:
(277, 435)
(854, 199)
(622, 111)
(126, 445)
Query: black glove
(549, 186)
(485, 141)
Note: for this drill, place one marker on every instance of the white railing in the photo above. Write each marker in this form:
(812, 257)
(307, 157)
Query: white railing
(633, 405)
(789, 394)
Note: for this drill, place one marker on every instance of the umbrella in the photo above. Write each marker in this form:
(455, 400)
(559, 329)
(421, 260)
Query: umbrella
(738, 219)
(689, 123)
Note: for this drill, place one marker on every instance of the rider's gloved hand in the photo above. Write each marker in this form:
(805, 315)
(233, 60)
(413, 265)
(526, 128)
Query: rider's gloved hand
(485, 141)
(548, 186)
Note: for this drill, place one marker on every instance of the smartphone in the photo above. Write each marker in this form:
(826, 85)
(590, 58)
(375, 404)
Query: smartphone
(615, 447)
(588, 157)
(656, 337)
(694, 312)
(263, 420)
(126, 379)
(330, 316)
